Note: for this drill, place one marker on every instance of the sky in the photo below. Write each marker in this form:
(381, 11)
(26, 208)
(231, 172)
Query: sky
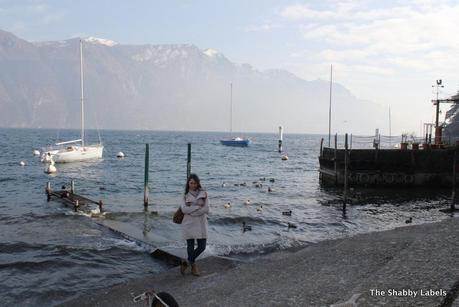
(386, 52)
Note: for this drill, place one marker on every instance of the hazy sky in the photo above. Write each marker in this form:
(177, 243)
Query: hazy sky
(388, 52)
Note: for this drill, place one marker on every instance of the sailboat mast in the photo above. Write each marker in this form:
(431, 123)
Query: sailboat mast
(330, 105)
(81, 93)
(231, 109)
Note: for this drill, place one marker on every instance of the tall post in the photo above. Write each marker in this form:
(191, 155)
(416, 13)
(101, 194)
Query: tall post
(330, 105)
(335, 162)
(453, 194)
(72, 186)
(346, 162)
(188, 162)
(145, 181)
(280, 138)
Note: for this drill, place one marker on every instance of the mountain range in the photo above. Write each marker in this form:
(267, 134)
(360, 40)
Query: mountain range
(165, 87)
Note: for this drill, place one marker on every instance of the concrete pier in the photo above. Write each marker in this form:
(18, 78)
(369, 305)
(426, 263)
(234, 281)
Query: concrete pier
(414, 265)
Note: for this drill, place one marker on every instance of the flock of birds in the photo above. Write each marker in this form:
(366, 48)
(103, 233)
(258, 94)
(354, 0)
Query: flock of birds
(248, 202)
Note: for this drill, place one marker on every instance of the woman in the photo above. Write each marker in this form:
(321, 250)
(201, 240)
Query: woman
(194, 225)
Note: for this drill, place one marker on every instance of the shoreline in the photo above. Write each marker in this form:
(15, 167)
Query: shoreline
(377, 268)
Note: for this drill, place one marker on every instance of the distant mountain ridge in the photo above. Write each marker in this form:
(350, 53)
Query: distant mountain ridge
(166, 87)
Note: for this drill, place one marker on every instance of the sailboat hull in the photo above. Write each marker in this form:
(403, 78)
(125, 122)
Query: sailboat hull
(236, 143)
(78, 154)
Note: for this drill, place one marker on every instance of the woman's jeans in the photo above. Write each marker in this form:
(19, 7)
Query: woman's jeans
(194, 253)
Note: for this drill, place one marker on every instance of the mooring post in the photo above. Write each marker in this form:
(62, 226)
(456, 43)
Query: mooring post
(145, 181)
(346, 161)
(335, 162)
(72, 186)
(77, 204)
(188, 162)
(453, 194)
(280, 139)
(321, 146)
(48, 191)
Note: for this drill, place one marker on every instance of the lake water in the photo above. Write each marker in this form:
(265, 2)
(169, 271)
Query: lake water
(49, 254)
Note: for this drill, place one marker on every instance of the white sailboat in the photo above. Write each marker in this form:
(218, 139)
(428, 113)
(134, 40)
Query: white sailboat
(75, 150)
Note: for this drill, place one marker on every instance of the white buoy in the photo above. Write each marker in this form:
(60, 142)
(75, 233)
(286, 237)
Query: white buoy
(50, 168)
(120, 155)
(36, 152)
(22, 163)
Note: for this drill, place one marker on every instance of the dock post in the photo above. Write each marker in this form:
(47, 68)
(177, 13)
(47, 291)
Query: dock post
(48, 191)
(72, 186)
(188, 162)
(335, 162)
(346, 161)
(145, 181)
(453, 194)
(321, 146)
(280, 139)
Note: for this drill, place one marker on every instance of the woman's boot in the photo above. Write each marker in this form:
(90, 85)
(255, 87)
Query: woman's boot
(183, 267)
(194, 270)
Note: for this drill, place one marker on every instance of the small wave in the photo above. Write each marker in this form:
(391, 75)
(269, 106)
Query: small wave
(36, 265)
(7, 179)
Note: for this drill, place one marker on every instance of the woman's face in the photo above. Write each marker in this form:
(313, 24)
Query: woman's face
(192, 185)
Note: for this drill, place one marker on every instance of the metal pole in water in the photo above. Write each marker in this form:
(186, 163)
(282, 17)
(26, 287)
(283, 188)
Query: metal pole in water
(48, 191)
(72, 186)
(346, 161)
(145, 184)
(188, 162)
(453, 194)
(335, 163)
(280, 138)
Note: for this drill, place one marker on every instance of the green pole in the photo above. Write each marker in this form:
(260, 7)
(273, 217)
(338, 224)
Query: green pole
(147, 160)
(188, 163)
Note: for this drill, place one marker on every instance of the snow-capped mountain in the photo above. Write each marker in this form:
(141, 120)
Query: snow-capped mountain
(169, 87)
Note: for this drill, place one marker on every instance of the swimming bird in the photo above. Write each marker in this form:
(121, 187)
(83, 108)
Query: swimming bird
(408, 221)
(271, 180)
(247, 202)
(269, 189)
(288, 212)
(258, 185)
(246, 227)
(223, 184)
(260, 209)
(290, 225)
(227, 205)
(262, 179)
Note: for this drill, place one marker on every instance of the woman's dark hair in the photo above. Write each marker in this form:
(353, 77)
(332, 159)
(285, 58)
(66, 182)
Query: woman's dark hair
(196, 179)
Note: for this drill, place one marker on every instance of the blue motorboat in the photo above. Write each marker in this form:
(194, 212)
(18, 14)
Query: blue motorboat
(237, 142)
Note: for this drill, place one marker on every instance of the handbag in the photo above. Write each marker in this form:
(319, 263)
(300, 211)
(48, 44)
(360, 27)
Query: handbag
(178, 216)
